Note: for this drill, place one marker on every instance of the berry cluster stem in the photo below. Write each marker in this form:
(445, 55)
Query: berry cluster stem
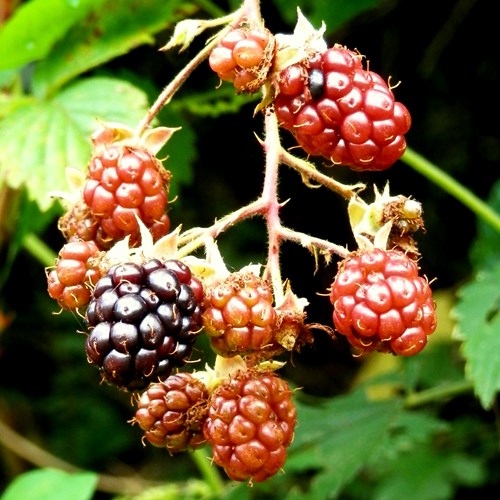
(270, 196)
(168, 92)
(210, 474)
(249, 9)
(268, 206)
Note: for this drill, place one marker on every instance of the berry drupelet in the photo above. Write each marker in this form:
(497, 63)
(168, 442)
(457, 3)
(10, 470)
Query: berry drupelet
(124, 184)
(76, 272)
(238, 314)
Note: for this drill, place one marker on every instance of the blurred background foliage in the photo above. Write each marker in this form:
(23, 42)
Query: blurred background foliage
(371, 428)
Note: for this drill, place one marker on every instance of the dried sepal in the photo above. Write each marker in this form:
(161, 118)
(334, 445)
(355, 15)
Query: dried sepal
(294, 48)
(187, 30)
(75, 180)
(110, 133)
(291, 330)
(154, 139)
(390, 218)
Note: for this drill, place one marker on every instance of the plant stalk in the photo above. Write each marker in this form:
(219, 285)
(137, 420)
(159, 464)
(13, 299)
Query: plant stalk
(452, 187)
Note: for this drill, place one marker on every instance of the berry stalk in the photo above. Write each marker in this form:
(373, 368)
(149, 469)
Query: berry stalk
(168, 92)
(250, 9)
(270, 195)
(209, 473)
(310, 174)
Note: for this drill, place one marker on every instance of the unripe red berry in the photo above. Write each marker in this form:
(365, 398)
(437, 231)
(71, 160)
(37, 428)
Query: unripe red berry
(244, 57)
(338, 110)
(250, 424)
(239, 315)
(381, 303)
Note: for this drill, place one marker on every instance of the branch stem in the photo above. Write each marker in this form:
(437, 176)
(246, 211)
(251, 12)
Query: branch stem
(311, 174)
(208, 471)
(438, 393)
(40, 457)
(452, 187)
(272, 148)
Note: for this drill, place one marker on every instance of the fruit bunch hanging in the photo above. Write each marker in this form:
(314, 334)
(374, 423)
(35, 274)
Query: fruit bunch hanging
(147, 292)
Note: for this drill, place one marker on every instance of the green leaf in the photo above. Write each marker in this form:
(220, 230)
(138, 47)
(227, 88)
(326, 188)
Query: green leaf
(478, 326)
(434, 367)
(339, 437)
(39, 140)
(35, 26)
(112, 30)
(423, 472)
(10, 102)
(52, 484)
(410, 428)
(333, 12)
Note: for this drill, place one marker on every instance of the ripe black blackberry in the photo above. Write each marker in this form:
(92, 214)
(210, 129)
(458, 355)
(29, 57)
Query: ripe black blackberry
(143, 321)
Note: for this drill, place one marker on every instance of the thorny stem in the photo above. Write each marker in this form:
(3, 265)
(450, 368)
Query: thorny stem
(268, 206)
(270, 196)
(311, 174)
(310, 242)
(249, 9)
(168, 92)
(193, 239)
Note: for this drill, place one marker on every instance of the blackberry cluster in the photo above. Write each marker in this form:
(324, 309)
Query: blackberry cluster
(143, 320)
(125, 184)
(338, 110)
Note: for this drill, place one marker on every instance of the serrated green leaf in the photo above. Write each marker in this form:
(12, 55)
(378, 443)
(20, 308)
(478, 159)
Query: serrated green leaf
(410, 429)
(112, 30)
(35, 26)
(478, 326)
(423, 472)
(39, 140)
(340, 435)
(52, 484)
